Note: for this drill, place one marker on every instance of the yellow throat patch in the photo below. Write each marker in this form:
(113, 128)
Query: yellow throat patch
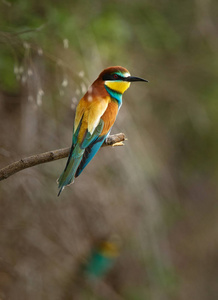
(118, 86)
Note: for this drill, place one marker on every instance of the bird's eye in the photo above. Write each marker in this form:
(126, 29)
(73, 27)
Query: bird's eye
(115, 76)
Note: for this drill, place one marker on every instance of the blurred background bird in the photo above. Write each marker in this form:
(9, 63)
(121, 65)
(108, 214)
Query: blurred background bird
(102, 258)
(91, 272)
(95, 116)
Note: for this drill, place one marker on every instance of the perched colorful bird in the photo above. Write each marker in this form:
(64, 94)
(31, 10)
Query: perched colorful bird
(95, 115)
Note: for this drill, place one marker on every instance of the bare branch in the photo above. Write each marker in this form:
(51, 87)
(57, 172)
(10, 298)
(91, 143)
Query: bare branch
(112, 140)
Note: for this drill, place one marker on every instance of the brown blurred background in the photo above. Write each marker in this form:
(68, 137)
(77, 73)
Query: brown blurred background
(157, 194)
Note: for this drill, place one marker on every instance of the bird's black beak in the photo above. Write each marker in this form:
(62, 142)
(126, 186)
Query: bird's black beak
(132, 79)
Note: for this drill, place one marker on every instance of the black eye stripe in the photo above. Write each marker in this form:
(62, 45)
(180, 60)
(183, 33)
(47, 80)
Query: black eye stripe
(112, 77)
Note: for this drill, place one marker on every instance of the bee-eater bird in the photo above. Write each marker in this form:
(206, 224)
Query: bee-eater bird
(102, 258)
(95, 115)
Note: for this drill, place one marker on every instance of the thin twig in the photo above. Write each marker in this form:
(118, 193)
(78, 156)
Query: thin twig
(112, 140)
